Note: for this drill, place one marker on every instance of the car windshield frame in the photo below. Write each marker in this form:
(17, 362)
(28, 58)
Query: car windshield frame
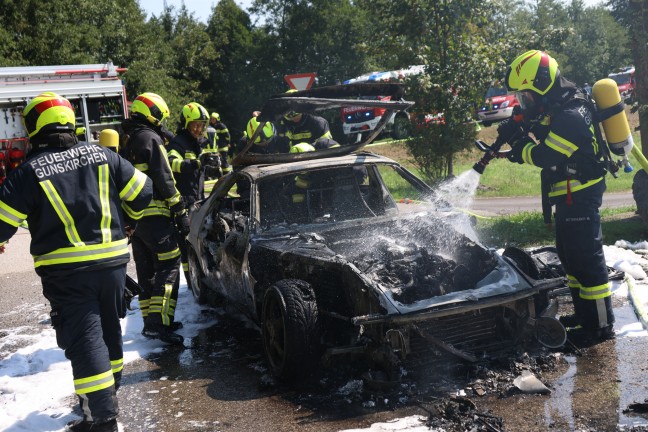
(373, 198)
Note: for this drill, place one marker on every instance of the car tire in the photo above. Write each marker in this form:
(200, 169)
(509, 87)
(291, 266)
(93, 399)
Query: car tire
(196, 276)
(291, 329)
(401, 128)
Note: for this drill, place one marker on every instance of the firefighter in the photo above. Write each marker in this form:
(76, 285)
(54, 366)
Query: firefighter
(185, 151)
(164, 222)
(570, 155)
(219, 141)
(74, 195)
(298, 127)
(210, 152)
(185, 156)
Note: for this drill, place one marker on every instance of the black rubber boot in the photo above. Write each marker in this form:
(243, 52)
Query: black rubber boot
(569, 321)
(163, 333)
(86, 426)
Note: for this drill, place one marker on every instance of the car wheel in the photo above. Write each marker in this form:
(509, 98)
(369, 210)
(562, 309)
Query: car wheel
(291, 329)
(401, 128)
(196, 276)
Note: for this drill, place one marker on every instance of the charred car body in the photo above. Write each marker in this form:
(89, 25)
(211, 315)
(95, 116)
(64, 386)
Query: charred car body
(322, 252)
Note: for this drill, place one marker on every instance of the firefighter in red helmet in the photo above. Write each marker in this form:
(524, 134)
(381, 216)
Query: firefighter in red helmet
(77, 198)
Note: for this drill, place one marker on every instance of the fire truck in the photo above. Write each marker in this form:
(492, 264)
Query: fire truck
(95, 91)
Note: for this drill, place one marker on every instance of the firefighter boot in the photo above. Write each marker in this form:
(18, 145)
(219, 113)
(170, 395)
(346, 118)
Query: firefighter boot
(96, 426)
(164, 333)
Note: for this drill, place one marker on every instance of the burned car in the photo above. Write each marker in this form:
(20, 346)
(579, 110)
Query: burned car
(343, 252)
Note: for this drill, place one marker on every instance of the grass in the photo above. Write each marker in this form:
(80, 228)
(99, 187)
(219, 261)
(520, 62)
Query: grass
(527, 229)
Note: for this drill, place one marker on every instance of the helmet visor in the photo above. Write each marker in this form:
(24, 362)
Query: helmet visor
(526, 99)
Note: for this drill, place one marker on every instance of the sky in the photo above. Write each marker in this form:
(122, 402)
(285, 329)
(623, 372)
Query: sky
(24, 406)
(202, 8)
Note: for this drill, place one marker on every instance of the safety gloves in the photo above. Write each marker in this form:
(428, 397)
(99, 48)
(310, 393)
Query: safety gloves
(181, 220)
(515, 155)
(508, 130)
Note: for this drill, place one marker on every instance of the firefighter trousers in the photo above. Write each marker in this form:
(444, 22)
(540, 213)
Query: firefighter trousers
(580, 249)
(157, 262)
(86, 308)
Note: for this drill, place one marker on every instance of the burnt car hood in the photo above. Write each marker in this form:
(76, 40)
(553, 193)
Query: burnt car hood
(413, 263)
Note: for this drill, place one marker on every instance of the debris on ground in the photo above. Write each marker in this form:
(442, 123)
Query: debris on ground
(461, 414)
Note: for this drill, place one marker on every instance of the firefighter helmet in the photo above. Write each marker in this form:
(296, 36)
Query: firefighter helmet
(302, 147)
(193, 112)
(48, 112)
(216, 116)
(266, 134)
(151, 107)
(109, 138)
(534, 70)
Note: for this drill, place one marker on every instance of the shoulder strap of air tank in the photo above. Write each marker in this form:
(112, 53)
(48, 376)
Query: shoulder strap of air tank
(597, 117)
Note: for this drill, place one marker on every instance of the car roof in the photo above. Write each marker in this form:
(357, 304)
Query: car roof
(265, 170)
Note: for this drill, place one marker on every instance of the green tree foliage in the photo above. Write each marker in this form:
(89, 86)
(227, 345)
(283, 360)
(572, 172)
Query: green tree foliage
(453, 40)
(236, 61)
(232, 86)
(324, 36)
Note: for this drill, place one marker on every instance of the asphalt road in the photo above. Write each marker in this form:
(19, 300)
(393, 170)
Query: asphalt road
(505, 206)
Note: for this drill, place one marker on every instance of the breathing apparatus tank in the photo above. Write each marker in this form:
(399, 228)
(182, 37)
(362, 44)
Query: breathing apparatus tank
(614, 120)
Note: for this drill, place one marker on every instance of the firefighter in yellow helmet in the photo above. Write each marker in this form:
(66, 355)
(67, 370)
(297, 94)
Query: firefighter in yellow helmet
(185, 151)
(219, 141)
(265, 142)
(188, 162)
(566, 147)
(164, 222)
(296, 127)
(76, 198)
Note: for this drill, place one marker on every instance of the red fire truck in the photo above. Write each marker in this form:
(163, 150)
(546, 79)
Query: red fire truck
(96, 92)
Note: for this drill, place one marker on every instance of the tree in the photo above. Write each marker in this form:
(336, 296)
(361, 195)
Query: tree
(231, 90)
(452, 40)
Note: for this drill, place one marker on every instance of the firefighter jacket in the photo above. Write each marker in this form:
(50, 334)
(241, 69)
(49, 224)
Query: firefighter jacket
(309, 129)
(184, 155)
(568, 152)
(211, 144)
(74, 199)
(145, 149)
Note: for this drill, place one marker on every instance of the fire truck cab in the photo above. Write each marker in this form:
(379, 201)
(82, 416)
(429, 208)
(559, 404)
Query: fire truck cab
(626, 82)
(95, 91)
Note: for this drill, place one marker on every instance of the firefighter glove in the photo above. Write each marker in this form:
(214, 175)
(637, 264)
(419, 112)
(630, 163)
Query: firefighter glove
(210, 159)
(515, 154)
(182, 222)
(193, 164)
(508, 130)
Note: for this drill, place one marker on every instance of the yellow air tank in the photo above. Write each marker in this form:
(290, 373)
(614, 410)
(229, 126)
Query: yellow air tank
(616, 127)
(109, 138)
